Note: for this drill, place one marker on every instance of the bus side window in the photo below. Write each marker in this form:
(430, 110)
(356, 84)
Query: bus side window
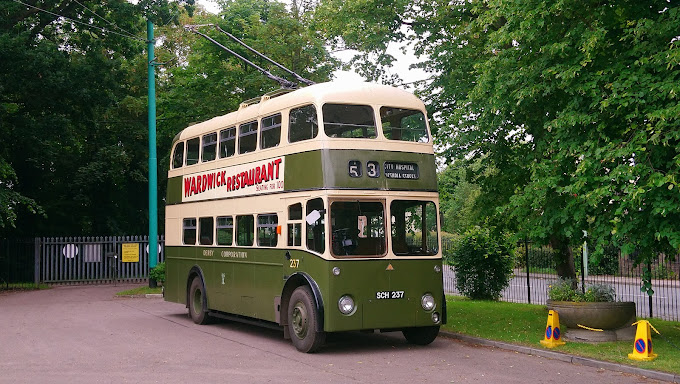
(225, 230)
(266, 230)
(206, 230)
(245, 230)
(193, 147)
(189, 231)
(178, 155)
(271, 131)
(295, 225)
(209, 147)
(227, 142)
(302, 124)
(247, 137)
(316, 229)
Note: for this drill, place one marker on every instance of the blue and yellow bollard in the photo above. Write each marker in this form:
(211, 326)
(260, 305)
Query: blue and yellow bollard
(553, 333)
(642, 348)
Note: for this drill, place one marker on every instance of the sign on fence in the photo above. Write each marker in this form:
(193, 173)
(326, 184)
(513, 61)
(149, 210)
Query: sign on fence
(130, 252)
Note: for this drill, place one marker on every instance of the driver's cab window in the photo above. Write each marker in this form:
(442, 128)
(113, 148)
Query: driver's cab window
(358, 228)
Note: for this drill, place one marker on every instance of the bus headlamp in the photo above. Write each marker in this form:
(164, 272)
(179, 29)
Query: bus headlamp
(427, 302)
(346, 305)
(435, 317)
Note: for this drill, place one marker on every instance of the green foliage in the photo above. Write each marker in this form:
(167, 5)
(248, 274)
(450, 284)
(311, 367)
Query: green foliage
(483, 264)
(73, 101)
(568, 290)
(459, 199)
(574, 103)
(158, 273)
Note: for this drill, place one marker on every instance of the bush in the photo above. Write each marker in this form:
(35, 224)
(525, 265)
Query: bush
(483, 264)
(158, 273)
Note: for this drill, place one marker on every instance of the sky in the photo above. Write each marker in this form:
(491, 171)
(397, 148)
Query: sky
(401, 66)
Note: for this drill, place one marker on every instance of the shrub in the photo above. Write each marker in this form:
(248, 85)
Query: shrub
(158, 273)
(568, 290)
(483, 264)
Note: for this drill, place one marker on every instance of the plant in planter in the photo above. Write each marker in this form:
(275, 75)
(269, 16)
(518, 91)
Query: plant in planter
(595, 307)
(567, 290)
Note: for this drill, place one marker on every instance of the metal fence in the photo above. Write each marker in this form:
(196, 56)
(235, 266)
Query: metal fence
(75, 260)
(535, 271)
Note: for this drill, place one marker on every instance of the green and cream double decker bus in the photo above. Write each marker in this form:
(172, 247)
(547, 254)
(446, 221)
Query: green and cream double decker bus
(314, 210)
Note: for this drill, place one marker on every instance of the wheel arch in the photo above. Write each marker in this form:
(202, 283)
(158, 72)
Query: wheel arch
(294, 281)
(196, 271)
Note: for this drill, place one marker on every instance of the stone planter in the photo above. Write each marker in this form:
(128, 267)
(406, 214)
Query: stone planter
(594, 315)
(614, 318)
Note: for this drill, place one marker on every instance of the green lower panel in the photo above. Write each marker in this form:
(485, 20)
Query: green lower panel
(390, 314)
(387, 293)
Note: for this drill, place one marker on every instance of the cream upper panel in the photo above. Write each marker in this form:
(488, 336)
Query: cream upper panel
(319, 94)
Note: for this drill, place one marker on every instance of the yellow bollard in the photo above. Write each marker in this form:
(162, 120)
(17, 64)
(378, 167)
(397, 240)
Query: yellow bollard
(553, 333)
(642, 348)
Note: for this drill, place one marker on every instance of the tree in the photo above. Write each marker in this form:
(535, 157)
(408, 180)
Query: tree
(66, 147)
(574, 103)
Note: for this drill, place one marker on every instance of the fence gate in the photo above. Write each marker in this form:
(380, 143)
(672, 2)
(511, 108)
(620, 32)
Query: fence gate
(74, 260)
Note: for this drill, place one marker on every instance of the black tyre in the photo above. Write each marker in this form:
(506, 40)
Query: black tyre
(421, 335)
(197, 310)
(302, 320)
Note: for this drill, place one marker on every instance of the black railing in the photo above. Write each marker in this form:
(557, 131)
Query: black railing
(535, 271)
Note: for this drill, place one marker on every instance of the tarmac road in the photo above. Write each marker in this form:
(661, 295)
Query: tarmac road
(83, 334)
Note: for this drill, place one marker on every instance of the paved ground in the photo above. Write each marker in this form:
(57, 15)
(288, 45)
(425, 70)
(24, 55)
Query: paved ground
(85, 335)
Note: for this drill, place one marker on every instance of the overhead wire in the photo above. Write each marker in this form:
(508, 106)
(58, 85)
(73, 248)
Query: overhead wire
(129, 36)
(109, 22)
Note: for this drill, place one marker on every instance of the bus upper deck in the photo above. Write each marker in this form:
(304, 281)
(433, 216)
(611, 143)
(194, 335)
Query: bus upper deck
(379, 133)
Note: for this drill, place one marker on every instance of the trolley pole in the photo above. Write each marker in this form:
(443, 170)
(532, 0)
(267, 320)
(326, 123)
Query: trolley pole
(153, 177)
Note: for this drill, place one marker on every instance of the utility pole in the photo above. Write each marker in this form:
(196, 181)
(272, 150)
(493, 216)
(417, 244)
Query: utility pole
(153, 172)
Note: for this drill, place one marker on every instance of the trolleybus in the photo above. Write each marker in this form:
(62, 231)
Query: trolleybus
(314, 210)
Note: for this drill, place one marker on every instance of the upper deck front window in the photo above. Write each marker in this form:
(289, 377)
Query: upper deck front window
(404, 124)
(349, 121)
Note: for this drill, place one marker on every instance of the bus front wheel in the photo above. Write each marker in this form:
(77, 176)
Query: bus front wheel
(198, 313)
(421, 335)
(302, 320)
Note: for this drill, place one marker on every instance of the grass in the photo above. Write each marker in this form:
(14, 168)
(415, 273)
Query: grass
(524, 324)
(143, 290)
(22, 286)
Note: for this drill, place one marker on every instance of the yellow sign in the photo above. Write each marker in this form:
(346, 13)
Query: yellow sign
(130, 253)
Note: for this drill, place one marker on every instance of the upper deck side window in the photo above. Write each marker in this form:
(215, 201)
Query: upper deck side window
(349, 121)
(303, 124)
(404, 124)
(247, 137)
(209, 147)
(193, 149)
(271, 131)
(227, 142)
(178, 155)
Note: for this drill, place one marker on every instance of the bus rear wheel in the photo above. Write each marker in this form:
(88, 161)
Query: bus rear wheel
(302, 319)
(197, 311)
(421, 335)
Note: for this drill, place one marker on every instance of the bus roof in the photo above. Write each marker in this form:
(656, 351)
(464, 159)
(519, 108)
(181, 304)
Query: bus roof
(330, 92)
